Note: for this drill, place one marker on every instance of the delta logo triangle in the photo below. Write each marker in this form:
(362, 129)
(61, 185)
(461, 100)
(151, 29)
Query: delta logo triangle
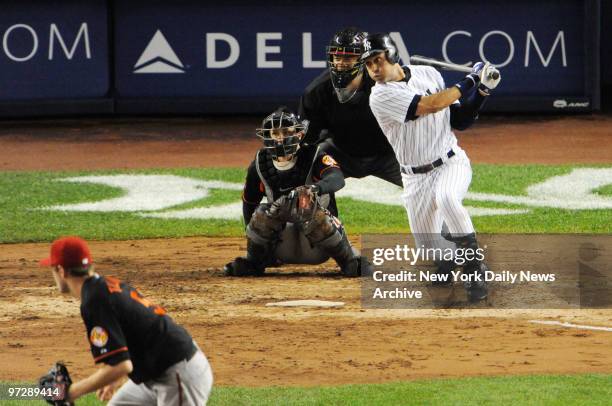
(159, 57)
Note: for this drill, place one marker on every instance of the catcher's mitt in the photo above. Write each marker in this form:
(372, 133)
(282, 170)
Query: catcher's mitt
(55, 384)
(298, 206)
(306, 202)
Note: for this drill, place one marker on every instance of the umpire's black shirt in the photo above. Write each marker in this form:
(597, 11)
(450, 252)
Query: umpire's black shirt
(122, 325)
(351, 125)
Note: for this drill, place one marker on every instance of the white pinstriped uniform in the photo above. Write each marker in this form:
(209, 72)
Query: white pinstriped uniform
(436, 196)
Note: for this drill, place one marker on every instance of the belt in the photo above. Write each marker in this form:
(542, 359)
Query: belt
(428, 167)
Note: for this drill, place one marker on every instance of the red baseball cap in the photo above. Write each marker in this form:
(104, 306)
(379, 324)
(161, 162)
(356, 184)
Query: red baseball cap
(71, 253)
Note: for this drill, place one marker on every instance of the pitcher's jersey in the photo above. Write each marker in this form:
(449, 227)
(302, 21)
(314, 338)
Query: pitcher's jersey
(415, 140)
(123, 325)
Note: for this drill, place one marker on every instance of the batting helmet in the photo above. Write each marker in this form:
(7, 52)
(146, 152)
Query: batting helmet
(346, 43)
(282, 132)
(380, 42)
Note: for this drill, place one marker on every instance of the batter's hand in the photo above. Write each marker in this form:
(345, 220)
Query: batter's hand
(489, 79)
(477, 68)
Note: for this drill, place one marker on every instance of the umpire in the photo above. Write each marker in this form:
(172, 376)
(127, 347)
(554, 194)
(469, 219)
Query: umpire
(336, 105)
(129, 336)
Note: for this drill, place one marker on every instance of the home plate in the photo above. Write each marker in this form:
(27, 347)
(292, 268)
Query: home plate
(306, 303)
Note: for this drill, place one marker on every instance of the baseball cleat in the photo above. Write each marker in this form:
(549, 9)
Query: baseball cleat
(444, 268)
(356, 267)
(242, 267)
(476, 287)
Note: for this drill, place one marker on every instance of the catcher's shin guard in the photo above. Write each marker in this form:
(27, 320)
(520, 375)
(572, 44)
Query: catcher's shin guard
(262, 237)
(475, 286)
(339, 248)
(258, 255)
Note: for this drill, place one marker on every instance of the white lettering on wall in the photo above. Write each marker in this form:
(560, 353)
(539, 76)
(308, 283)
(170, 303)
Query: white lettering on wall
(445, 46)
(401, 47)
(211, 50)
(7, 35)
(484, 40)
(54, 33)
(307, 53)
(263, 50)
(559, 40)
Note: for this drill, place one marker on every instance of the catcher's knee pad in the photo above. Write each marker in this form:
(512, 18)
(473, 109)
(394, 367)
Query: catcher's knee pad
(263, 234)
(263, 228)
(322, 226)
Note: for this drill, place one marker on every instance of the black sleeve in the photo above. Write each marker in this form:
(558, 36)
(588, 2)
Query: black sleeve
(107, 341)
(252, 193)
(327, 174)
(463, 115)
(411, 113)
(311, 110)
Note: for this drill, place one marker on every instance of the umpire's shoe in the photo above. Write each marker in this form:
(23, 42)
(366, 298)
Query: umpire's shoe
(242, 267)
(476, 286)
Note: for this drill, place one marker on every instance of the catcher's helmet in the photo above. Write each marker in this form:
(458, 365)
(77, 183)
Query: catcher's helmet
(282, 132)
(380, 42)
(345, 43)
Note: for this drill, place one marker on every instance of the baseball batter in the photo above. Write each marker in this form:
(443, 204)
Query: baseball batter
(417, 114)
(129, 336)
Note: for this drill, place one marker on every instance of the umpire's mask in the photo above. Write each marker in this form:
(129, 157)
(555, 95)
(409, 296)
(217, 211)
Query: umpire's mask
(344, 62)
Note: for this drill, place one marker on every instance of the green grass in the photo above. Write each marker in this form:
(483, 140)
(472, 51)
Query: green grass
(604, 191)
(516, 390)
(22, 194)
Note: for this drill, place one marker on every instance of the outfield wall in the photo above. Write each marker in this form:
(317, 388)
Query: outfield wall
(141, 57)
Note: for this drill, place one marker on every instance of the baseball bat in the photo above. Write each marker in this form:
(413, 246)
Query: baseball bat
(423, 60)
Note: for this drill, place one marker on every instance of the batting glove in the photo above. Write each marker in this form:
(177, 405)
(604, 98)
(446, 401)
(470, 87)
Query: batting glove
(489, 79)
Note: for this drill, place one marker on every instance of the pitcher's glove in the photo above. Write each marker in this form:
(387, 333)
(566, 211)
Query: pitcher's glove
(54, 385)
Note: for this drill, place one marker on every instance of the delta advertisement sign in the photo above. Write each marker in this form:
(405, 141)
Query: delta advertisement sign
(256, 51)
(54, 50)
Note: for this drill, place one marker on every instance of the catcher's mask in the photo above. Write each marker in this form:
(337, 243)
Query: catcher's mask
(282, 132)
(344, 61)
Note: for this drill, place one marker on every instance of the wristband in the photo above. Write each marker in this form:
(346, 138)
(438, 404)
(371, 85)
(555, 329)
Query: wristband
(467, 83)
(483, 90)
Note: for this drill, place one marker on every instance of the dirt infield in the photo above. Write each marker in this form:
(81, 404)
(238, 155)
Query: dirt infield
(248, 343)
(251, 344)
(231, 142)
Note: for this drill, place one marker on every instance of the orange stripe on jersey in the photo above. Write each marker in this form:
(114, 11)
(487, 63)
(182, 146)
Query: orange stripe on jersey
(108, 354)
(262, 188)
(113, 284)
(246, 201)
(326, 168)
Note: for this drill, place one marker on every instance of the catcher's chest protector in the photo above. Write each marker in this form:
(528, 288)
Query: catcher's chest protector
(278, 183)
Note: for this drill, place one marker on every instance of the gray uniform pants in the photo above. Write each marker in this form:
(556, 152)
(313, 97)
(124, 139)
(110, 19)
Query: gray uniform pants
(186, 383)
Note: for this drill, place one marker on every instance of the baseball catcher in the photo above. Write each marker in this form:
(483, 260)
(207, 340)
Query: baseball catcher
(298, 224)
